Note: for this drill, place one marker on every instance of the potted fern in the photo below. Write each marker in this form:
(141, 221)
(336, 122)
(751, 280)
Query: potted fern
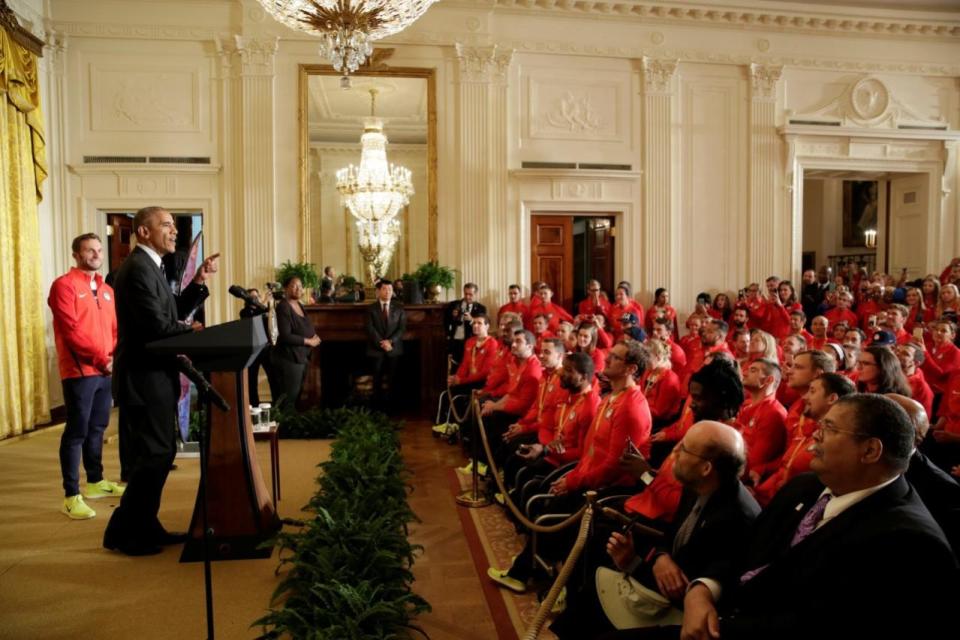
(306, 271)
(433, 278)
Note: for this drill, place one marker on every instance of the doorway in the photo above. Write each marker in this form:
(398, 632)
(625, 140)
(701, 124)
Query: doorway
(569, 250)
(121, 235)
(875, 221)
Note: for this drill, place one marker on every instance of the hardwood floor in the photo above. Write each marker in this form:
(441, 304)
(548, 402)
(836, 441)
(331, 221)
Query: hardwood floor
(445, 573)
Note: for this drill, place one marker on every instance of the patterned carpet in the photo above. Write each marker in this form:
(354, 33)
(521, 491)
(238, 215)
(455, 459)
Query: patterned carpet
(495, 543)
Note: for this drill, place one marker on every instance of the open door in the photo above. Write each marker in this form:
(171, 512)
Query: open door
(551, 252)
(905, 241)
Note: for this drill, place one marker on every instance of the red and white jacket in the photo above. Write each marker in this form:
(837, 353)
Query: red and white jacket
(84, 324)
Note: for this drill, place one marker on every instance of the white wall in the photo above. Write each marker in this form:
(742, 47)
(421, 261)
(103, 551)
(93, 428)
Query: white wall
(696, 102)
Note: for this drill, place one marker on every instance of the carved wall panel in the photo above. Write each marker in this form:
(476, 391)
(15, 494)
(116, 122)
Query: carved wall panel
(559, 110)
(134, 98)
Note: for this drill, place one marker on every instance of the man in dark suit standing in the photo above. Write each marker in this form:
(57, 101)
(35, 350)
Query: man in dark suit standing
(850, 552)
(147, 386)
(386, 322)
(458, 318)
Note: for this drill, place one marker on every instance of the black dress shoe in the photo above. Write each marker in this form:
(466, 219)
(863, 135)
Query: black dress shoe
(165, 538)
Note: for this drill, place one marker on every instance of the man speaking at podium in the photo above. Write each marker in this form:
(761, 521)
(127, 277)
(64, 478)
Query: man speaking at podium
(147, 386)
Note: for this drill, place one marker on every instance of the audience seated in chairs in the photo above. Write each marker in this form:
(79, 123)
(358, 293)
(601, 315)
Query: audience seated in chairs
(849, 551)
(714, 514)
(622, 417)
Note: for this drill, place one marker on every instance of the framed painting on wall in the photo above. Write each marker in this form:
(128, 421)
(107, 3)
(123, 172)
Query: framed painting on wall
(860, 210)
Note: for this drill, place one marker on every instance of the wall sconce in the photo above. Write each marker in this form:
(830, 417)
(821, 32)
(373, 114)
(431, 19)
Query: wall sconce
(870, 238)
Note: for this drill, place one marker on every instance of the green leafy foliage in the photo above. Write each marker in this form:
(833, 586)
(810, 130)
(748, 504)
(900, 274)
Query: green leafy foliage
(348, 569)
(306, 271)
(431, 273)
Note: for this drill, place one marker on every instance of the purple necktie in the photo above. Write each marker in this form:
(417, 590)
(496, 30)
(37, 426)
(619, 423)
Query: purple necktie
(807, 526)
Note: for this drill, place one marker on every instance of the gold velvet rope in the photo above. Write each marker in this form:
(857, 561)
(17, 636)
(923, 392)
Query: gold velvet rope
(560, 526)
(547, 604)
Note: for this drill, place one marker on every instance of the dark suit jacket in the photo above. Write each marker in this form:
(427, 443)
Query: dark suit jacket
(146, 311)
(881, 569)
(392, 329)
(940, 492)
(453, 317)
(724, 521)
(292, 329)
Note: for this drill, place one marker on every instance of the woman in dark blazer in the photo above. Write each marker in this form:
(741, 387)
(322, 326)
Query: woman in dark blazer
(290, 356)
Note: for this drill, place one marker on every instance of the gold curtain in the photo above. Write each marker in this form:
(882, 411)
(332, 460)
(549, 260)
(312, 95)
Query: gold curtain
(24, 399)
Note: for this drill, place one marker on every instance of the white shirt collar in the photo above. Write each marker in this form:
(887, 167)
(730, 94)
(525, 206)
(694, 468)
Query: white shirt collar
(152, 253)
(839, 504)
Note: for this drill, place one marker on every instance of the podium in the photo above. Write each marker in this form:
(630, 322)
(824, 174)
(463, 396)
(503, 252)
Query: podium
(240, 511)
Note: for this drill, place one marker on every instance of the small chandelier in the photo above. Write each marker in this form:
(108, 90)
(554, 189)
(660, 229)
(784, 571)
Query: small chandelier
(375, 193)
(347, 27)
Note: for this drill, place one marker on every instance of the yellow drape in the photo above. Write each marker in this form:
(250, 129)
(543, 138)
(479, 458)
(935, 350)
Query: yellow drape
(24, 399)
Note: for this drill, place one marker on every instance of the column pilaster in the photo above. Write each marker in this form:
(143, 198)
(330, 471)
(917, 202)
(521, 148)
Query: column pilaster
(766, 231)
(486, 228)
(660, 235)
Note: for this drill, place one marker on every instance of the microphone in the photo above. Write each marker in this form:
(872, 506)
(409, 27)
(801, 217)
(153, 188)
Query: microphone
(239, 292)
(204, 388)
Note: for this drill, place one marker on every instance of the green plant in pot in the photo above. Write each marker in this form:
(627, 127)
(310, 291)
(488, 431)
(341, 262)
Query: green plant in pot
(306, 271)
(434, 278)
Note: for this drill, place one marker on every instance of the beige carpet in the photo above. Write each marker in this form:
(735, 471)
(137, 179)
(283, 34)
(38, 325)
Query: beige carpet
(57, 582)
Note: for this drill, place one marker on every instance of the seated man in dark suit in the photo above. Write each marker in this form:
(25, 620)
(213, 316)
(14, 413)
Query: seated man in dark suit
(715, 513)
(938, 490)
(386, 322)
(849, 551)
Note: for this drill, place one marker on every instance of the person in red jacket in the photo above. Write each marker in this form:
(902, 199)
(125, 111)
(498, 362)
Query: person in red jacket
(596, 303)
(540, 332)
(910, 356)
(762, 418)
(480, 354)
(943, 360)
(571, 418)
(538, 423)
(516, 304)
(819, 328)
(523, 379)
(663, 331)
(842, 312)
(661, 385)
(798, 320)
(622, 417)
(553, 312)
(85, 331)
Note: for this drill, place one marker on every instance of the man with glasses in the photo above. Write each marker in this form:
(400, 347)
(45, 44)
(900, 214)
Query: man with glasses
(595, 304)
(849, 551)
(822, 393)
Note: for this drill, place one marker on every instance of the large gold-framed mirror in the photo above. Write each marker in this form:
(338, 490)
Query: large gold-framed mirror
(331, 123)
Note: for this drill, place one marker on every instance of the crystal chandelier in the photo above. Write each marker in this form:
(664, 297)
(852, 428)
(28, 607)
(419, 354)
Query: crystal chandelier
(347, 27)
(375, 193)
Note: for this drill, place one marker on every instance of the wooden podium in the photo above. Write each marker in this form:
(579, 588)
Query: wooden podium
(240, 511)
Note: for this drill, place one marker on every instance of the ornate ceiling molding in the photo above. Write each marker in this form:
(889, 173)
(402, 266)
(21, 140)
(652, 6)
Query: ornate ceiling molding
(741, 18)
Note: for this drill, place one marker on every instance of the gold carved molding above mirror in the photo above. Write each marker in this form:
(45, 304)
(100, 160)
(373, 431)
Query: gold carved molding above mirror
(340, 134)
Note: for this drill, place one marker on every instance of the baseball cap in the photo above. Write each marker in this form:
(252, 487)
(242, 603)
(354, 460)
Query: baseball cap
(883, 339)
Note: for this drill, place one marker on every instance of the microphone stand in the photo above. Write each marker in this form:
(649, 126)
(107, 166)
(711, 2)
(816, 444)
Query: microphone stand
(209, 396)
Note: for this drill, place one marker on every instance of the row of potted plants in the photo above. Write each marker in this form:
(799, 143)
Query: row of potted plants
(348, 568)
(429, 275)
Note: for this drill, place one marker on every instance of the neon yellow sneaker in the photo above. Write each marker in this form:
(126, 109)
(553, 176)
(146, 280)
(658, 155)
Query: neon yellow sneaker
(440, 429)
(560, 605)
(103, 489)
(501, 577)
(74, 507)
(467, 469)
(498, 497)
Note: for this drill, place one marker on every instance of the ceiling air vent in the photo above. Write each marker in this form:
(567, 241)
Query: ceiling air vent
(114, 160)
(179, 160)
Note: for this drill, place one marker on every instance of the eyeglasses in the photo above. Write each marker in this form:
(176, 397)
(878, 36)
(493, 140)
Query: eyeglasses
(829, 428)
(682, 447)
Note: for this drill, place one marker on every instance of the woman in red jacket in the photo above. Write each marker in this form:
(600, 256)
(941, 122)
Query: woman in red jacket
(661, 385)
(623, 304)
(661, 307)
(721, 307)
